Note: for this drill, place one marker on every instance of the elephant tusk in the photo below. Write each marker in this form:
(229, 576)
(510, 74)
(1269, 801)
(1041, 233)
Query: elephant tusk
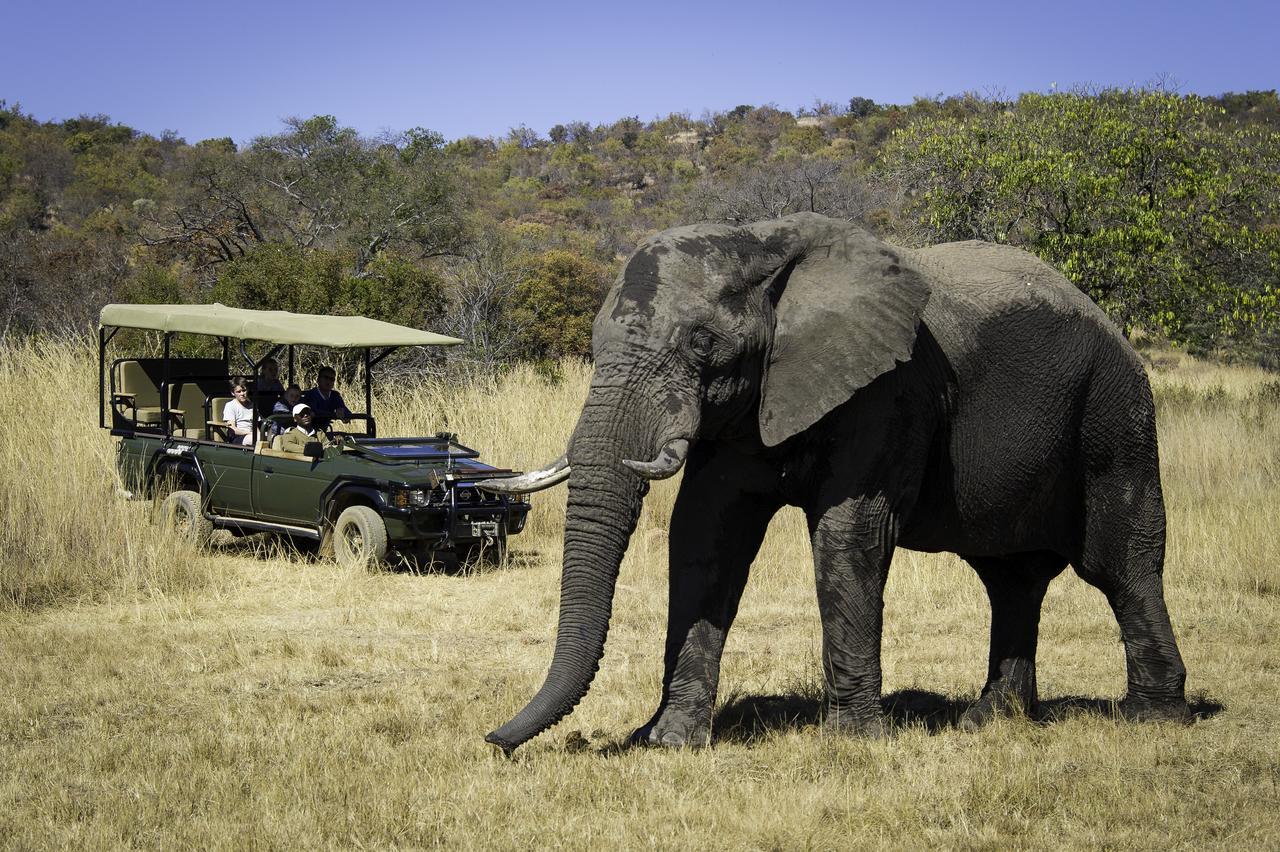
(534, 480)
(670, 460)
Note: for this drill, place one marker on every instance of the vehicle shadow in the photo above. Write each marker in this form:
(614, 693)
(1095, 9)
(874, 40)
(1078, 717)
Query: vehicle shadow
(266, 546)
(750, 718)
(445, 563)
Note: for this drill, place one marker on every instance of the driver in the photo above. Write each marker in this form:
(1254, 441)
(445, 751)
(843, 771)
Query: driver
(302, 432)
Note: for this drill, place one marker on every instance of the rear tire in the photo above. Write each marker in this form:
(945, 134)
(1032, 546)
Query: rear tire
(181, 511)
(359, 537)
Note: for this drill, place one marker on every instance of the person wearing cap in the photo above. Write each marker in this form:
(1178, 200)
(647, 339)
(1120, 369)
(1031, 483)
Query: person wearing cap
(302, 432)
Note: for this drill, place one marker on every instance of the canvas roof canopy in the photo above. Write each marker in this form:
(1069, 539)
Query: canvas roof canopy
(271, 326)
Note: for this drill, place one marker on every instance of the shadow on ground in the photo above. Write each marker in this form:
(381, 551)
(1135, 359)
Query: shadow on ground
(266, 546)
(751, 718)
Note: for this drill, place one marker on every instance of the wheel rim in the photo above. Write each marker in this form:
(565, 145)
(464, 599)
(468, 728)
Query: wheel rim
(353, 540)
(180, 518)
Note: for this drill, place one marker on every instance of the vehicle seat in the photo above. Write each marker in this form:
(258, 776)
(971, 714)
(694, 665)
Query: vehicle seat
(277, 443)
(188, 403)
(216, 404)
(137, 395)
(136, 383)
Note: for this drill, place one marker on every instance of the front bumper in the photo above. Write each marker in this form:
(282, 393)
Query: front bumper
(456, 524)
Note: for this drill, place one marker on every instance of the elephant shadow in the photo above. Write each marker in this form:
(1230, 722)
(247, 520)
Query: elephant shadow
(750, 718)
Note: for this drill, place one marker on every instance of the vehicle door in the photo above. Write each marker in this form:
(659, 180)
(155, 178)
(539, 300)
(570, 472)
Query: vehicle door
(289, 490)
(227, 470)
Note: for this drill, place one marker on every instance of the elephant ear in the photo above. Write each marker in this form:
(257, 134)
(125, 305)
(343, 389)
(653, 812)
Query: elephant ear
(846, 310)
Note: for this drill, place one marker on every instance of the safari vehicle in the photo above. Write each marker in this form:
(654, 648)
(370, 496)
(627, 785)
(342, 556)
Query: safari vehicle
(365, 495)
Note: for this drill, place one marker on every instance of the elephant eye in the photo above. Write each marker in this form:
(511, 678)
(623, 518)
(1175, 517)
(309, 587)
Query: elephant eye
(701, 342)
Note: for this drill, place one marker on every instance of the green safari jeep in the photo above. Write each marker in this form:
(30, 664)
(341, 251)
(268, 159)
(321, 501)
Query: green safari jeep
(362, 494)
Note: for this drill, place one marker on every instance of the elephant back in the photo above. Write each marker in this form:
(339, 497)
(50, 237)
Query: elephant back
(980, 284)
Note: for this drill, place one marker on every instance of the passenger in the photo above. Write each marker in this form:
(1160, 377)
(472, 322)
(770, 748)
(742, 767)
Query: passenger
(326, 403)
(284, 405)
(237, 413)
(269, 377)
(302, 432)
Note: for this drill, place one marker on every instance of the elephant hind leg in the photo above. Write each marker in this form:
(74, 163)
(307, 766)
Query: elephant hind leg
(1124, 558)
(1016, 586)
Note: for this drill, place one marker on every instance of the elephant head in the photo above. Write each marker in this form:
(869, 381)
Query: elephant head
(710, 332)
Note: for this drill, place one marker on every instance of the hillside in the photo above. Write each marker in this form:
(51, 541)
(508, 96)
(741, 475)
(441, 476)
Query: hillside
(1164, 207)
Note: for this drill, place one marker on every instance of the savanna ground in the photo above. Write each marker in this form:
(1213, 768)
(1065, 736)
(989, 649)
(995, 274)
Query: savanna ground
(254, 698)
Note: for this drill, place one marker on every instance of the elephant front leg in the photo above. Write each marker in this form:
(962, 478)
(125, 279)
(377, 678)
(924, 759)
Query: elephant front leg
(853, 544)
(716, 530)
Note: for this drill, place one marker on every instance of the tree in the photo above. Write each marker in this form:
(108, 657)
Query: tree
(281, 276)
(1141, 197)
(555, 304)
(317, 185)
(482, 290)
(862, 107)
(780, 187)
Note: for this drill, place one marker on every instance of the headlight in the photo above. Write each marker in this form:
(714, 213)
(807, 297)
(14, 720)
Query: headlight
(404, 498)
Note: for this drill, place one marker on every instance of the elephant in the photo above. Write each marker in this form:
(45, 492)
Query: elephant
(963, 397)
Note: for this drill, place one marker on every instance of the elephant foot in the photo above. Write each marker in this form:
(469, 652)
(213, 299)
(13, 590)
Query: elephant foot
(1136, 709)
(998, 700)
(672, 728)
(871, 726)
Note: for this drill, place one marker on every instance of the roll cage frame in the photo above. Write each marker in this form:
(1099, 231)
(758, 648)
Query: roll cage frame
(107, 378)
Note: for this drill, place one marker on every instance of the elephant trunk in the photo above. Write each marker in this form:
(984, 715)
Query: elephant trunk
(604, 504)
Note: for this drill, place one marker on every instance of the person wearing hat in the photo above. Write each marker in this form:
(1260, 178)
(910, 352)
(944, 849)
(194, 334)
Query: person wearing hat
(302, 432)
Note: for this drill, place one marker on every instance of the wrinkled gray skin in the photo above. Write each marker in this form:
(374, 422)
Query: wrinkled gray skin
(963, 398)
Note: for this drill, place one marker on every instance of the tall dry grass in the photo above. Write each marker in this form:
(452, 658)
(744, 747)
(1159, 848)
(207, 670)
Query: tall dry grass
(65, 534)
(1219, 433)
(287, 702)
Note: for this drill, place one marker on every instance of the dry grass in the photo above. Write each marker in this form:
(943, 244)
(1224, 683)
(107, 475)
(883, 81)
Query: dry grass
(64, 532)
(253, 699)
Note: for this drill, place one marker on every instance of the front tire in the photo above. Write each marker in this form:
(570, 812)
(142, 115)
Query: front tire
(181, 511)
(359, 537)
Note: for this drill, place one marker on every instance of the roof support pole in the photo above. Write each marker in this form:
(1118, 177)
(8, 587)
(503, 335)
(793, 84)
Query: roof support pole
(102, 366)
(164, 386)
(368, 393)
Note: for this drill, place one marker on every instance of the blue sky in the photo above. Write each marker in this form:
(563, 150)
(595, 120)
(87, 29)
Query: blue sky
(238, 68)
